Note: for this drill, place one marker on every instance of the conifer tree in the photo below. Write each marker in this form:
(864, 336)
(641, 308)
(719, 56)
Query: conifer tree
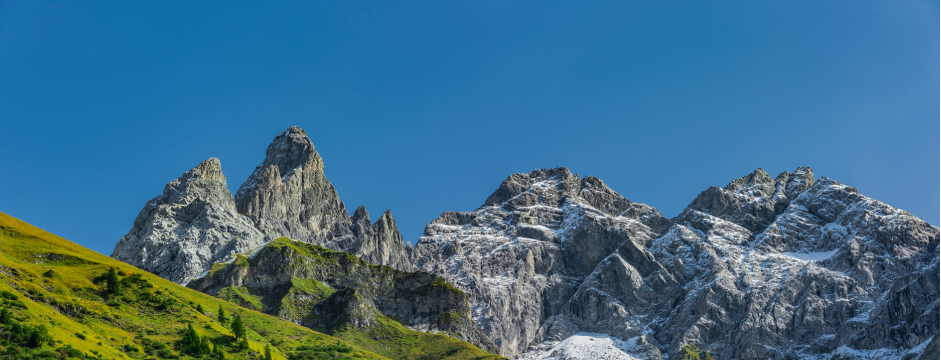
(205, 347)
(114, 286)
(222, 318)
(268, 352)
(5, 316)
(238, 327)
(39, 336)
(192, 344)
(218, 353)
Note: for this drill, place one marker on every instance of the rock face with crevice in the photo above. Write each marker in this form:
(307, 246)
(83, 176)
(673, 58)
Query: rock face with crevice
(197, 221)
(765, 268)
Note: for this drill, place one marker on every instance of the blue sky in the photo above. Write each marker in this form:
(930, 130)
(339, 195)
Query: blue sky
(425, 106)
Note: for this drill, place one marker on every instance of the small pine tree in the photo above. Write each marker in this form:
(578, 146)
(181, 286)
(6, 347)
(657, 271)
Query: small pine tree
(244, 343)
(5, 316)
(222, 318)
(238, 327)
(218, 353)
(39, 336)
(205, 347)
(114, 286)
(192, 344)
(199, 308)
(268, 352)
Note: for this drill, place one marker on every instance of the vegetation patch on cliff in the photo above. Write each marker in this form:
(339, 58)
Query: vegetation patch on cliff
(241, 297)
(693, 352)
(392, 339)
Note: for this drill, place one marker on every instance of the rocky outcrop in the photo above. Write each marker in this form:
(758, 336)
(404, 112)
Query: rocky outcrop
(523, 254)
(323, 289)
(764, 268)
(197, 222)
(379, 242)
(754, 200)
(928, 350)
(193, 223)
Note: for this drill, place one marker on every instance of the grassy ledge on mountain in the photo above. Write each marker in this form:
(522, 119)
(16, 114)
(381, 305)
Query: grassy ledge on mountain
(57, 300)
(398, 314)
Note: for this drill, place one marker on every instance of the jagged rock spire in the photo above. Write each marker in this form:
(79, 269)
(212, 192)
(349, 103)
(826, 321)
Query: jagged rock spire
(192, 225)
(379, 242)
(289, 195)
(197, 222)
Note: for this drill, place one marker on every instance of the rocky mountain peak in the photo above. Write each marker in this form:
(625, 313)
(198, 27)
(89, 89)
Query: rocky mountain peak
(190, 226)
(795, 182)
(784, 267)
(754, 185)
(289, 151)
(197, 222)
(752, 201)
(601, 197)
(552, 187)
(361, 221)
(514, 185)
(204, 182)
(289, 195)
(522, 254)
(360, 216)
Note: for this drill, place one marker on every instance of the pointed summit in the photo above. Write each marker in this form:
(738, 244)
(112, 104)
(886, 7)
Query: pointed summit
(751, 201)
(796, 182)
(360, 215)
(290, 150)
(517, 184)
(197, 222)
(192, 225)
(378, 243)
(756, 184)
(205, 180)
(289, 195)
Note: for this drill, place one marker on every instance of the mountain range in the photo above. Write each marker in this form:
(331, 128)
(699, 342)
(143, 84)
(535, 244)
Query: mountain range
(553, 265)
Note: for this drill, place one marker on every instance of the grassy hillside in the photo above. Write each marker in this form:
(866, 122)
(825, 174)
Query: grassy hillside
(58, 296)
(339, 294)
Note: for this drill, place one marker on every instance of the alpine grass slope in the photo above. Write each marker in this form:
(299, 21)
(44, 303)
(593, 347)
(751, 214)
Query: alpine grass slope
(60, 305)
